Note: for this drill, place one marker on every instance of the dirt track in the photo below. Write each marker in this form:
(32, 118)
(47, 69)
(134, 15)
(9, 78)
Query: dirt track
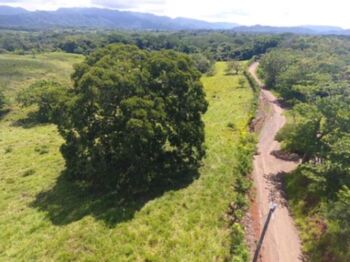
(281, 243)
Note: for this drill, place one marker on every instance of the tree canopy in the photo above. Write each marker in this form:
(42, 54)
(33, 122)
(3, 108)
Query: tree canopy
(134, 118)
(217, 45)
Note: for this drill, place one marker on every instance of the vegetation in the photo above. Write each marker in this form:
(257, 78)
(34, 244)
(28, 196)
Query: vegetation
(133, 123)
(202, 63)
(132, 181)
(20, 71)
(2, 100)
(313, 78)
(233, 67)
(151, 136)
(46, 216)
(214, 45)
(49, 96)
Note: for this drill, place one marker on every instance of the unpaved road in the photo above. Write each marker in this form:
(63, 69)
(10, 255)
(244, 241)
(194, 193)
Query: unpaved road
(281, 243)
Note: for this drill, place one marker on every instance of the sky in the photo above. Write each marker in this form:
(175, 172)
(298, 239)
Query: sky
(245, 12)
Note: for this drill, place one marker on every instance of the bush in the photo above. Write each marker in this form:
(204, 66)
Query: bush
(43, 149)
(245, 152)
(29, 172)
(135, 118)
(49, 96)
(241, 82)
(8, 149)
(2, 100)
(239, 250)
(233, 68)
(211, 71)
(202, 63)
(231, 126)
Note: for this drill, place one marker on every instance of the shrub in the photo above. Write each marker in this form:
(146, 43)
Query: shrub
(202, 63)
(29, 172)
(233, 68)
(8, 149)
(43, 149)
(245, 152)
(49, 96)
(2, 100)
(231, 126)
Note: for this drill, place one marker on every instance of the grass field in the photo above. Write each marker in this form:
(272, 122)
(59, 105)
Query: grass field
(19, 71)
(43, 217)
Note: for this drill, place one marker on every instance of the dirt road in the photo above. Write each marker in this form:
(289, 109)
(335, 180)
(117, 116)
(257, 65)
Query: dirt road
(281, 243)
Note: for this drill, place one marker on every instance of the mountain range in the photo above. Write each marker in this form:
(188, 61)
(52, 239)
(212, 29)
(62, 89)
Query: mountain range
(11, 17)
(99, 18)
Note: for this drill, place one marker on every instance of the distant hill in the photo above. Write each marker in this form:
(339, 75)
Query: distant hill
(113, 19)
(99, 18)
(307, 30)
(6, 10)
(322, 29)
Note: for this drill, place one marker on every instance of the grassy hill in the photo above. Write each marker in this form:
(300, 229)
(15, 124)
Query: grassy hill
(46, 218)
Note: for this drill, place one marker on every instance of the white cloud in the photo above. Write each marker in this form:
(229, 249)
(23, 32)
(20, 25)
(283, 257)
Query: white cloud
(122, 4)
(249, 12)
(46, 5)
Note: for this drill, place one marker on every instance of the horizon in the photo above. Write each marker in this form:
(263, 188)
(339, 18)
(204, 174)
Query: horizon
(245, 14)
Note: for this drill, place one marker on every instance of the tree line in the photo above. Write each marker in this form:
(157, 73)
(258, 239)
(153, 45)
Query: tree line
(215, 45)
(312, 76)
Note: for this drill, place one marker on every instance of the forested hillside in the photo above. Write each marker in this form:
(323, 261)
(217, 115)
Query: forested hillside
(312, 77)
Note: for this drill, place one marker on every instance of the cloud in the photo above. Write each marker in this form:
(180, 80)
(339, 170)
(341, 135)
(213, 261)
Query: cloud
(146, 6)
(46, 4)
(228, 14)
(130, 4)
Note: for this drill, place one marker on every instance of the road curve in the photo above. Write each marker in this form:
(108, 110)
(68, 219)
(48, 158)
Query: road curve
(281, 243)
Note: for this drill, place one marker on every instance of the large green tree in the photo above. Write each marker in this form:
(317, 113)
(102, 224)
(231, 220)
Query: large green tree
(134, 118)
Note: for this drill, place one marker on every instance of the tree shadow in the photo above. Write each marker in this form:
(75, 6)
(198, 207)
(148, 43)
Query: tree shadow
(286, 156)
(3, 113)
(277, 192)
(31, 120)
(283, 103)
(68, 201)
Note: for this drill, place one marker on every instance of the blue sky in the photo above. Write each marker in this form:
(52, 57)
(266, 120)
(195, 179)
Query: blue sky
(248, 12)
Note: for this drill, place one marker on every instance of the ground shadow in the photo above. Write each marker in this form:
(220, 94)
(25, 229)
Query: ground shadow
(283, 104)
(3, 113)
(276, 187)
(69, 201)
(31, 120)
(286, 156)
